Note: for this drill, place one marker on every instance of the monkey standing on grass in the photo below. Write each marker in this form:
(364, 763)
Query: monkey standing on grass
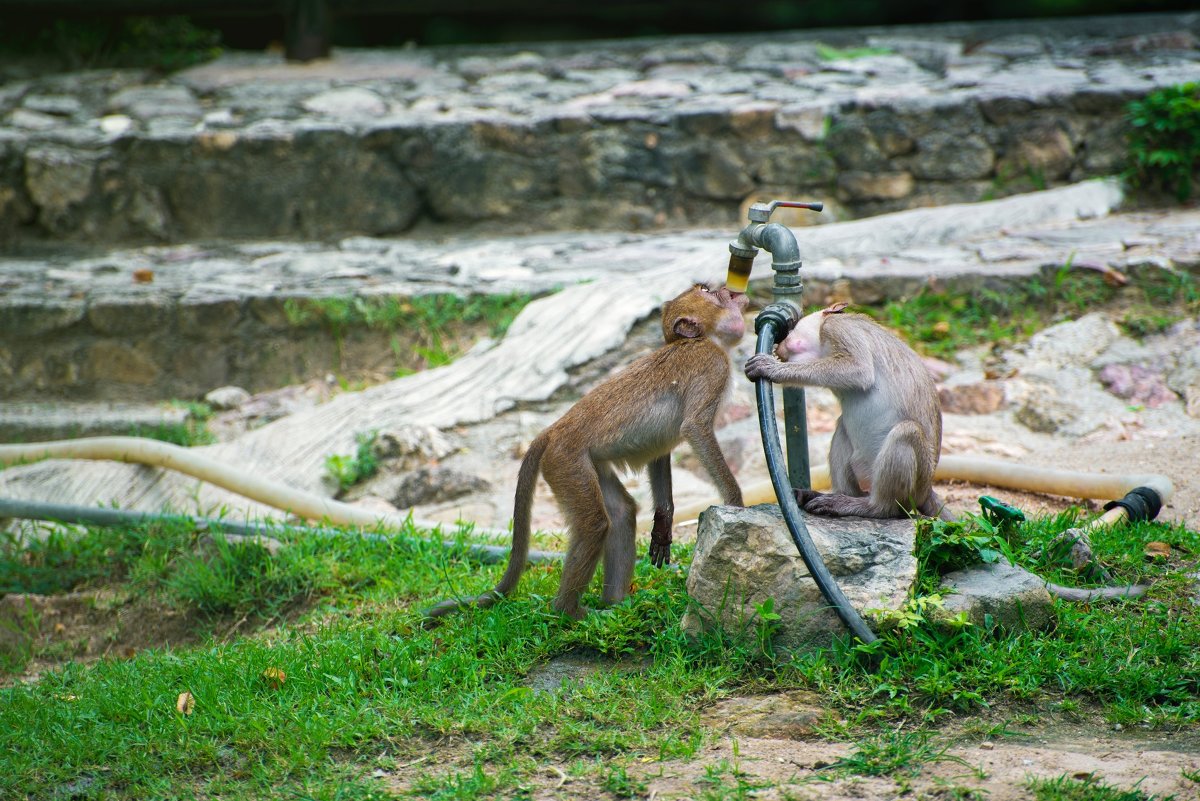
(635, 418)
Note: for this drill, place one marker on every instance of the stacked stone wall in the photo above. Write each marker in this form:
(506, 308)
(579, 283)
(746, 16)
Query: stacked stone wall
(617, 136)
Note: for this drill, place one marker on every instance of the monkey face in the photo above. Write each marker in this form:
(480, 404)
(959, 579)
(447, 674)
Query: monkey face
(803, 343)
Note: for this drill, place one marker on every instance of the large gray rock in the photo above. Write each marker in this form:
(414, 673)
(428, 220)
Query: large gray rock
(745, 556)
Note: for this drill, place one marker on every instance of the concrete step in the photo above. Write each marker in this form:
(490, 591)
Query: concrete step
(41, 421)
(162, 323)
(646, 134)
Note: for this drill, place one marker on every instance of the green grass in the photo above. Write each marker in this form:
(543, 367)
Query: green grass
(828, 53)
(367, 689)
(1066, 788)
(424, 328)
(942, 323)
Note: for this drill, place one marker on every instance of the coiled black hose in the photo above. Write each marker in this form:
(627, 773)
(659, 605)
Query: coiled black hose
(768, 329)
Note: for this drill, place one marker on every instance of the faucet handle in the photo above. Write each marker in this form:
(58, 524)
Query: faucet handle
(761, 212)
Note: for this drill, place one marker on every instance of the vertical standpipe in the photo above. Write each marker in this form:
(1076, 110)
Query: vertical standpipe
(772, 325)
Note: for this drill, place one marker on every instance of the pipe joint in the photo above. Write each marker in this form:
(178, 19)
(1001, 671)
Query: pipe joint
(782, 315)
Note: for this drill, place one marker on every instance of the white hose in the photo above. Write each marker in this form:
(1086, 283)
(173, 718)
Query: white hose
(152, 452)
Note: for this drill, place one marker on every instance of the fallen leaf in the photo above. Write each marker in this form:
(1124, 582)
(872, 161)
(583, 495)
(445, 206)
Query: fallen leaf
(185, 703)
(941, 328)
(1157, 550)
(143, 276)
(59, 628)
(274, 677)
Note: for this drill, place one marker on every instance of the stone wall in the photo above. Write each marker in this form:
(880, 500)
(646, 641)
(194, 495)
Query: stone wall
(627, 136)
(153, 347)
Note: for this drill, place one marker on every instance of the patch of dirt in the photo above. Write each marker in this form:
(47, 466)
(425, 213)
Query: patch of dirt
(998, 771)
(85, 626)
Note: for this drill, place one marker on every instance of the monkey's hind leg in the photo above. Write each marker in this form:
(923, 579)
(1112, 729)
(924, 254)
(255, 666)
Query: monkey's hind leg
(620, 550)
(576, 485)
(841, 470)
(900, 479)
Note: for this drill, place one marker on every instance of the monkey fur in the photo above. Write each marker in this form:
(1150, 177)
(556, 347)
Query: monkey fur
(887, 441)
(635, 418)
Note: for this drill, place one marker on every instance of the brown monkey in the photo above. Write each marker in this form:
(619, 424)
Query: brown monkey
(635, 418)
(888, 439)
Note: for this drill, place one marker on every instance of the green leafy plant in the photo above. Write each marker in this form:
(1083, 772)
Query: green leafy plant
(167, 42)
(1164, 139)
(348, 470)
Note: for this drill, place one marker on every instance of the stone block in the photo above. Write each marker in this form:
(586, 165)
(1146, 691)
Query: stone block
(857, 186)
(745, 556)
(129, 313)
(1045, 150)
(23, 316)
(205, 315)
(983, 397)
(998, 595)
(120, 362)
(57, 179)
(716, 171)
(943, 156)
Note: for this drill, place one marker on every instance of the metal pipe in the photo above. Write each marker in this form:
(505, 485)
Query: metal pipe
(787, 288)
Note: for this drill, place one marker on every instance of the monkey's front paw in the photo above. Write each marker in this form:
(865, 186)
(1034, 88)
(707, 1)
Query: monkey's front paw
(762, 365)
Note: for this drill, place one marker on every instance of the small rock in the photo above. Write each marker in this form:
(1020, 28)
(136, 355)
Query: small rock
(33, 120)
(1136, 383)
(1012, 598)
(115, 124)
(984, 397)
(422, 486)
(226, 398)
(58, 105)
(349, 102)
(415, 446)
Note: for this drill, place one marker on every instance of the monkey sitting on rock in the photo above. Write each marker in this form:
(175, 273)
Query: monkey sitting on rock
(886, 444)
(635, 418)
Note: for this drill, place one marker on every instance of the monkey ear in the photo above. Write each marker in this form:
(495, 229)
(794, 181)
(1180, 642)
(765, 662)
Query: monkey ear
(688, 328)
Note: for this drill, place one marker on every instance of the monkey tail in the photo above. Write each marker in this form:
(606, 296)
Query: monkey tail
(1099, 594)
(526, 483)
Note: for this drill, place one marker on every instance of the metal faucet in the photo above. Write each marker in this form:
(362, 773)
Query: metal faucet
(784, 312)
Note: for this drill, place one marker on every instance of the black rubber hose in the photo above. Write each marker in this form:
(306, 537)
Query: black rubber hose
(1140, 503)
(787, 499)
(94, 516)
